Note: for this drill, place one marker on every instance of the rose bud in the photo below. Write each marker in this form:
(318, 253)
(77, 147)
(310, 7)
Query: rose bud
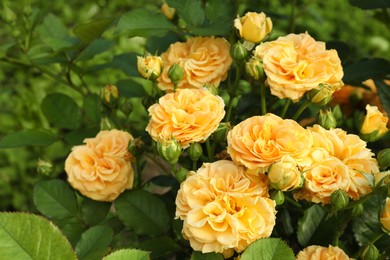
(254, 69)
(339, 199)
(175, 73)
(374, 125)
(167, 11)
(284, 175)
(238, 52)
(110, 95)
(195, 151)
(253, 27)
(149, 67)
(326, 119)
(170, 150)
(385, 216)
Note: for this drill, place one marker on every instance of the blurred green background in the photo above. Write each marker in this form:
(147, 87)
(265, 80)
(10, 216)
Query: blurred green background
(26, 76)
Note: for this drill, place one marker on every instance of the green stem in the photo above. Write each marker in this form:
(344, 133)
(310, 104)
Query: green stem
(293, 202)
(291, 27)
(232, 91)
(194, 165)
(301, 109)
(263, 102)
(209, 150)
(285, 107)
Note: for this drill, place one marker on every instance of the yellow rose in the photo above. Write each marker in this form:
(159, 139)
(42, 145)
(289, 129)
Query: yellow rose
(205, 61)
(374, 125)
(296, 63)
(149, 67)
(322, 253)
(259, 141)
(253, 27)
(101, 169)
(349, 149)
(322, 178)
(223, 209)
(285, 175)
(188, 115)
(385, 215)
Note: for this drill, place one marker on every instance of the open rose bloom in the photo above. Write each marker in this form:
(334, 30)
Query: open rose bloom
(101, 169)
(322, 253)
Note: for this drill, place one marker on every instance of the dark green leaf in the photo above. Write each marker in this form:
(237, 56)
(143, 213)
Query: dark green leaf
(364, 69)
(160, 247)
(89, 31)
(61, 110)
(76, 137)
(190, 11)
(143, 212)
(52, 27)
(72, 228)
(36, 137)
(164, 181)
(208, 256)
(126, 254)
(97, 46)
(127, 62)
(94, 243)
(92, 108)
(55, 199)
(160, 44)
(384, 94)
(372, 4)
(309, 223)
(57, 44)
(268, 249)
(220, 11)
(342, 49)
(134, 87)
(144, 23)
(24, 236)
(93, 212)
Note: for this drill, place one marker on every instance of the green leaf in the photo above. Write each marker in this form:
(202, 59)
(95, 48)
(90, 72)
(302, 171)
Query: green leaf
(125, 254)
(72, 228)
(364, 69)
(208, 256)
(55, 199)
(61, 110)
(89, 31)
(143, 212)
(190, 10)
(94, 243)
(134, 87)
(52, 27)
(92, 108)
(308, 224)
(36, 137)
(96, 47)
(372, 4)
(384, 94)
(93, 212)
(24, 236)
(144, 23)
(76, 137)
(127, 62)
(160, 247)
(268, 249)
(57, 44)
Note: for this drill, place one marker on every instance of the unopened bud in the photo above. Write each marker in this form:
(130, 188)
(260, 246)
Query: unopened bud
(278, 197)
(326, 119)
(384, 216)
(374, 125)
(284, 175)
(167, 11)
(211, 87)
(181, 174)
(170, 150)
(339, 199)
(106, 124)
(136, 147)
(238, 52)
(220, 134)
(110, 95)
(195, 151)
(175, 73)
(370, 252)
(149, 67)
(45, 167)
(254, 69)
(338, 115)
(357, 210)
(321, 95)
(384, 158)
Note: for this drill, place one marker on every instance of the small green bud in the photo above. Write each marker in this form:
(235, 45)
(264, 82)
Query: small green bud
(27, 9)
(126, 108)
(254, 69)
(370, 252)
(384, 158)
(326, 119)
(278, 197)
(338, 114)
(110, 95)
(220, 134)
(8, 15)
(170, 150)
(195, 151)
(45, 167)
(321, 95)
(181, 174)
(136, 147)
(357, 210)
(339, 199)
(238, 52)
(175, 73)
(211, 87)
(106, 124)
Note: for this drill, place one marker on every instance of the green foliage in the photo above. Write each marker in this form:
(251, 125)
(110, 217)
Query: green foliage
(196, 255)
(125, 254)
(268, 249)
(94, 243)
(25, 236)
(36, 137)
(309, 223)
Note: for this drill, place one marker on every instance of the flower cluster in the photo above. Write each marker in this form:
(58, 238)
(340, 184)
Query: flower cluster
(224, 208)
(101, 169)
